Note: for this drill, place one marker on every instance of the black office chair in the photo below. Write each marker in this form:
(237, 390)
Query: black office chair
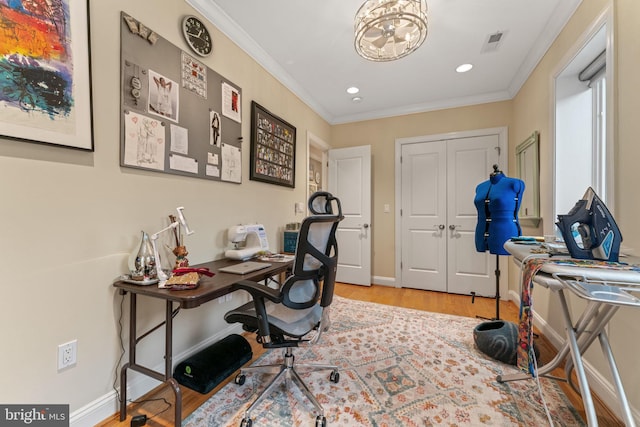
(297, 313)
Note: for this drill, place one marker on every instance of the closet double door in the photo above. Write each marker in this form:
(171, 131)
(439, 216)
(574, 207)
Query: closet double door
(438, 217)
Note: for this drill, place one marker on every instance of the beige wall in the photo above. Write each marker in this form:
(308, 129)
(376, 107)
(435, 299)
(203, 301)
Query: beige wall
(628, 113)
(71, 218)
(381, 135)
(531, 111)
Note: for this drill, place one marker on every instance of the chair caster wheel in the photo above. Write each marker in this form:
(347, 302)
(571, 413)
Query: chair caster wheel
(240, 379)
(334, 376)
(246, 422)
(321, 421)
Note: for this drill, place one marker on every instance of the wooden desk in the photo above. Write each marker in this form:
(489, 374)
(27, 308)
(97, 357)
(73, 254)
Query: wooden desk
(209, 289)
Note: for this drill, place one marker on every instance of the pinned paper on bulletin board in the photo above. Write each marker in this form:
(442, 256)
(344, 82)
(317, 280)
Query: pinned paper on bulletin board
(178, 116)
(231, 102)
(144, 141)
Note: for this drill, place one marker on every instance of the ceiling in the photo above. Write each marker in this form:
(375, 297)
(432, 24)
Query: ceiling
(308, 45)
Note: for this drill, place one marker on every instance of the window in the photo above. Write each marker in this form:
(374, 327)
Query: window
(581, 135)
(599, 92)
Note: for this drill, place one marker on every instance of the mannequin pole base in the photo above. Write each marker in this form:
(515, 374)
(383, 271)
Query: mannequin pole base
(497, 297)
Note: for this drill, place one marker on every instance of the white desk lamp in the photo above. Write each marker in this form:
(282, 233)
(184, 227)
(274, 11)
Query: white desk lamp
(162, 276)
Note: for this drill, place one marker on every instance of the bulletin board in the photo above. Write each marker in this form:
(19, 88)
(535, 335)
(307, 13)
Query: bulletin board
(177, 115)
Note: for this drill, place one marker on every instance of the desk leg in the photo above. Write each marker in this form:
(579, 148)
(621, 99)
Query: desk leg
(123, 392)
(168, 363)
(168, 341)
(168, 377)
(178, 393)
(132, 355)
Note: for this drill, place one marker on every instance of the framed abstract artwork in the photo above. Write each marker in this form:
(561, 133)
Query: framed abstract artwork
(273, 148)
(45, 72)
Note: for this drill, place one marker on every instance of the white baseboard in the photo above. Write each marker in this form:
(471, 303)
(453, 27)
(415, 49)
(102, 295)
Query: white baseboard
(597, 383)
(138, 385)
(384, 281)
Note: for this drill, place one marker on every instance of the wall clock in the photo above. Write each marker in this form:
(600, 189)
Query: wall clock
(197, 35)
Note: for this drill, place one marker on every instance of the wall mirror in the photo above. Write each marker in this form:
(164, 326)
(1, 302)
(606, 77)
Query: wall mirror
(528, 169)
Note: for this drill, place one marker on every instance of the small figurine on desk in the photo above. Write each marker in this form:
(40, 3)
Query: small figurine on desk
(181, 256)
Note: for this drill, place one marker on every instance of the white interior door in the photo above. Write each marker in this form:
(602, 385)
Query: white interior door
(350, 180)
(437, 217)
(469, 162)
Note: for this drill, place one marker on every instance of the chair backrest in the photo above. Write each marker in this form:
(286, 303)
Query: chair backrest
(316, 258)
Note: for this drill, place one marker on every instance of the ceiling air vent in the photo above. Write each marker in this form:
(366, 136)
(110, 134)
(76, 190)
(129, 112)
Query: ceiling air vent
(492, 42)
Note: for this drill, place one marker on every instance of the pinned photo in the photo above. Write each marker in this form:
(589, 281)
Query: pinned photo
(163, 96)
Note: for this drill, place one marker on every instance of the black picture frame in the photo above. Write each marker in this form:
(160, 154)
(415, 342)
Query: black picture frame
(273, 148)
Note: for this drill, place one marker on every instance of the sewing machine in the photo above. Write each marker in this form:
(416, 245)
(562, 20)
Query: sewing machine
(247, 241)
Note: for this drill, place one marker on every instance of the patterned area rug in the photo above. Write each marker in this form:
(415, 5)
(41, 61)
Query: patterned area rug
(398, 367)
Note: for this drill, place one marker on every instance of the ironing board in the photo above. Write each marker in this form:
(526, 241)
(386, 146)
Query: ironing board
(606, 290)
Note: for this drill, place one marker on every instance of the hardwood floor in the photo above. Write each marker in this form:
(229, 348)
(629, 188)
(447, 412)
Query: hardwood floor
(157, 405)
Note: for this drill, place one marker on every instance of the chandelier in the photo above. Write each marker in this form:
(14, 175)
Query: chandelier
(387, 30)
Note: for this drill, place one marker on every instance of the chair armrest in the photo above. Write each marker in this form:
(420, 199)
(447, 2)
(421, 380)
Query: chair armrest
(258, 290)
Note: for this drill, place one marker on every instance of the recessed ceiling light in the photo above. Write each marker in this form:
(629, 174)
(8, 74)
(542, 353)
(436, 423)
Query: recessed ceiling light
(352, 90)
(464, 68)
(356, 99)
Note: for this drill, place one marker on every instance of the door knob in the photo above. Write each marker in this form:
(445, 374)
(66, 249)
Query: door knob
(441, 226)
(453, 227)
(365, 226)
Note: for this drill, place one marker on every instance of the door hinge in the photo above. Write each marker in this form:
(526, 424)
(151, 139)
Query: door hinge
(400, 212)
(498, 149)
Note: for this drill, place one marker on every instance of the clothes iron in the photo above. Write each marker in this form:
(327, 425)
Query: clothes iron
(589, 230)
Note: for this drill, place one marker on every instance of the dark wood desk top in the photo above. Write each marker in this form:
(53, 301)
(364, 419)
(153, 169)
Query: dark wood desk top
(210, 287)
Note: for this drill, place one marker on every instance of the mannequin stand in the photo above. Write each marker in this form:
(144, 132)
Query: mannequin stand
(473, 294)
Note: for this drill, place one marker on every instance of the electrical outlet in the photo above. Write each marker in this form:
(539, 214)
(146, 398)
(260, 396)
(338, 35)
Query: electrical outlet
(67, 354)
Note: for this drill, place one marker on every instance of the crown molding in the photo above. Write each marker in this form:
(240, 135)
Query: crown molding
(218, 17)
(464, 101)
(239, 36)
(563, 12)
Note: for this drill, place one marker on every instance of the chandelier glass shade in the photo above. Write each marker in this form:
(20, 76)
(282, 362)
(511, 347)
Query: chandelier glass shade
(386, 30)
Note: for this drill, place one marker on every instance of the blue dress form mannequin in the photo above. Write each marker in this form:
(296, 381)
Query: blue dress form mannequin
(497, 201)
